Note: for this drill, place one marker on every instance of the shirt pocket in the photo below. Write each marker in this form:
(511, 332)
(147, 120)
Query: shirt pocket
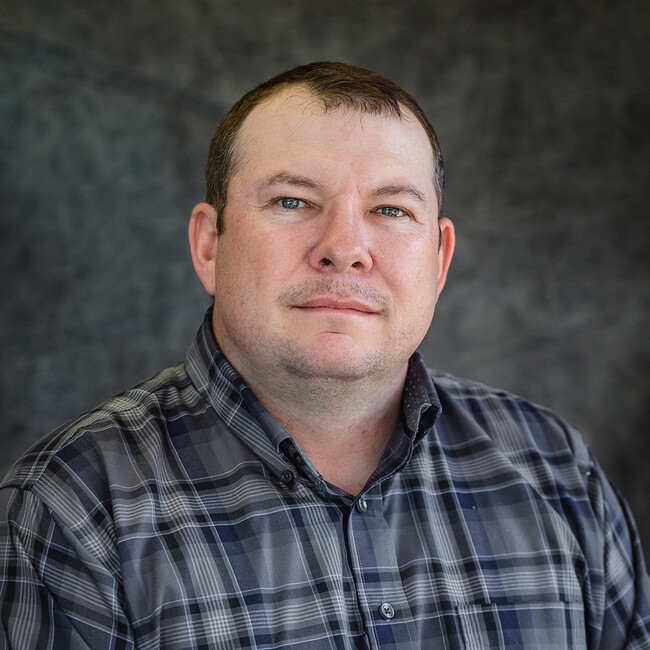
(540, 625)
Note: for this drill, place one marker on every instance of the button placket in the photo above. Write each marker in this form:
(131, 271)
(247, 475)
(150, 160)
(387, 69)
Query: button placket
(377, 578)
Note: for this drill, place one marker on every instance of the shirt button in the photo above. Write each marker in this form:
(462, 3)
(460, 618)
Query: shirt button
(386, 611)
(288, 478)
(362, 505)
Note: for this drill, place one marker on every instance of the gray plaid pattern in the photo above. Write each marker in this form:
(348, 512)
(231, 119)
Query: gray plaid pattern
(181, 515)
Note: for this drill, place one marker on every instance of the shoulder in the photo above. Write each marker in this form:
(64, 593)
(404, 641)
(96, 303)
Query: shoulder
(107, 438)
(500, 439)
(516, 425)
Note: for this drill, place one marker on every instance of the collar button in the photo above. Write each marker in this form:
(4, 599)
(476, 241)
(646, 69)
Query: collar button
(361, 505)
(288, 478)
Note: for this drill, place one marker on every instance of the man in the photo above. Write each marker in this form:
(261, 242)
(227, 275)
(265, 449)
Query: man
(301, 480)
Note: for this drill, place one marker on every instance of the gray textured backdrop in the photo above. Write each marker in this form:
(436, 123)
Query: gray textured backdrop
(106, 109)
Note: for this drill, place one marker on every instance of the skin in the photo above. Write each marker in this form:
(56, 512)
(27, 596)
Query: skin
(328, 271)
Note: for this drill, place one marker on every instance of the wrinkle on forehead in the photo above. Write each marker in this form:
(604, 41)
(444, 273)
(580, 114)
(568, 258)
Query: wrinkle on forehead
(299, 102)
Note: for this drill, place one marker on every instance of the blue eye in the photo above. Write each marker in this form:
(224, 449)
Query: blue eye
(390, 211)
(289, 203)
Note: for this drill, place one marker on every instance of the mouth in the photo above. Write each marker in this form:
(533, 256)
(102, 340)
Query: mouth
(337, 306)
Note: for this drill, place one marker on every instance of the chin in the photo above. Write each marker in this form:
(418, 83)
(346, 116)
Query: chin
(339, 365)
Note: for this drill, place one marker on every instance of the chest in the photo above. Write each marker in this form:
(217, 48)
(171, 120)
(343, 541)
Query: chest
(416, 562)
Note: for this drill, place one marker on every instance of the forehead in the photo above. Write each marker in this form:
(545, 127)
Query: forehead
(294, 126)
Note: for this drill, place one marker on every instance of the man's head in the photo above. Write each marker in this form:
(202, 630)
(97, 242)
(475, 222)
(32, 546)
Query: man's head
(333, 85)
(331, 253)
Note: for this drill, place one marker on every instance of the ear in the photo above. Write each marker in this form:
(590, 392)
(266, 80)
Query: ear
(202, 233)
(446, 250)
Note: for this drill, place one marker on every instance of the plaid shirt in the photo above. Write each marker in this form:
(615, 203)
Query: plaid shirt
(182, 515)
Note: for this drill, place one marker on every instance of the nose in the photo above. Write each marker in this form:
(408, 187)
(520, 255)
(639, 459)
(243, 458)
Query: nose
(342, 244)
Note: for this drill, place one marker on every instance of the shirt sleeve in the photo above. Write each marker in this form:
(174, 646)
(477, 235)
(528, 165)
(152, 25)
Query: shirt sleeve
(54, 594)
(626, 588)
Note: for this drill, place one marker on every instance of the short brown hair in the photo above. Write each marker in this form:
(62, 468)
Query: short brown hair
(334, 85)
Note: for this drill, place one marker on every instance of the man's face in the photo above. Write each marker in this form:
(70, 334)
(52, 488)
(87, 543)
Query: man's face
(328, 265)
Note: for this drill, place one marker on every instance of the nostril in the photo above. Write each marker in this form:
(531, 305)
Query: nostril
(326, 262)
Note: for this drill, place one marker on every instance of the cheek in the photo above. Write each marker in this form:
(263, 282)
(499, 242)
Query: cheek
(413, 272)
(258, 264)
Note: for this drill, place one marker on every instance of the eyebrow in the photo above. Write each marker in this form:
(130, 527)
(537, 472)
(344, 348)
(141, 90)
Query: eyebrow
(400, 190)
(291, 179)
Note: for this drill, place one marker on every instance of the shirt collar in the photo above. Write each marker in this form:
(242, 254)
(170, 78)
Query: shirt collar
(420, 403)
(234, 401)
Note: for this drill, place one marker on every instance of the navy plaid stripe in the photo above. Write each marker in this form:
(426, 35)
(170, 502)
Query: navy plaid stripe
(181, 515)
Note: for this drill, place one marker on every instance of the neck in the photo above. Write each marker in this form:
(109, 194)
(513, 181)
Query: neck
(343, 427)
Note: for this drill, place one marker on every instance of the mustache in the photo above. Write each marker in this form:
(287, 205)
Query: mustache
(343, 289)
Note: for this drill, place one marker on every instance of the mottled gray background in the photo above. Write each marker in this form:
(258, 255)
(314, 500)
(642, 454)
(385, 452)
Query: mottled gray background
(106, 109)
